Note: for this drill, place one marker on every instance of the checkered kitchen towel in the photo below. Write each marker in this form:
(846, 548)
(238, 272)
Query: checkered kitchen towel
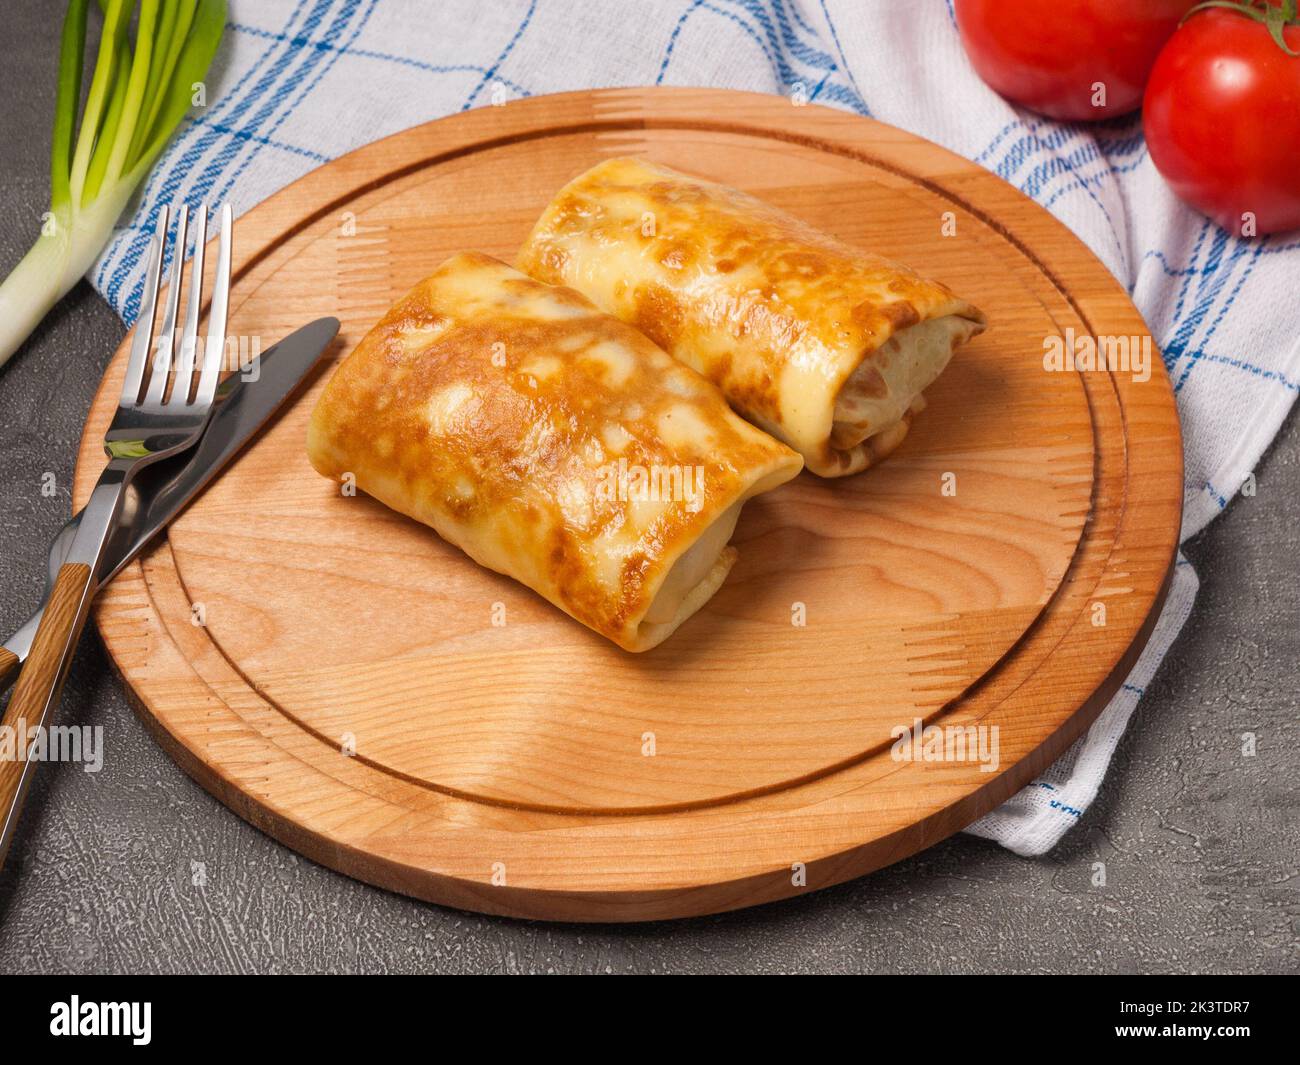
(299, 82)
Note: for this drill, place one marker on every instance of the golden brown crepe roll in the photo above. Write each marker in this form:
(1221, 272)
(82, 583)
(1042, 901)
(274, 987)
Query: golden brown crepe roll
(824, 346)
(549, 442)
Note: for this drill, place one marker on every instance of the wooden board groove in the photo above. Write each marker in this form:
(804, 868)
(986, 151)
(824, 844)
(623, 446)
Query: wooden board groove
(514, 753)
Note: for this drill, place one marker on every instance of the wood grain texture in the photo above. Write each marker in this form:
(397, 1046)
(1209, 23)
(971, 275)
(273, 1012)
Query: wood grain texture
(349, 693)
(39, 684)
(8, 666)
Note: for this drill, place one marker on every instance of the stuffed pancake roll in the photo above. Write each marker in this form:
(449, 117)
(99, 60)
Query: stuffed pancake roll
(549, 442)
(826, 347)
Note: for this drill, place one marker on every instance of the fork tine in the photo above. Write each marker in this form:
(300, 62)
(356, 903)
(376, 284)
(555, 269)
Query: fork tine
(189, 335)
(143, 341)
(216, 339)
(167, 338)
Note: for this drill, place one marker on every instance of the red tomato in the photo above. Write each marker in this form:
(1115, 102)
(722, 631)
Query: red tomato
(1222, 119)
(1053, 55)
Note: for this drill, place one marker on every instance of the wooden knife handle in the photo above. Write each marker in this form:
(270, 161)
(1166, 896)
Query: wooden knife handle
(39, 685)
(8, 667)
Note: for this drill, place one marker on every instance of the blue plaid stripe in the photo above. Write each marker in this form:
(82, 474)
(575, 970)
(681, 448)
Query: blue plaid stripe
(178, 153)
(672, 41)
(1048, 166)
(800, 41)
(787, 44)
(325, 58)
(505, 54)
(385, 57)
(1216, 274)
(172, 177)
(782, 37)
(835, 36)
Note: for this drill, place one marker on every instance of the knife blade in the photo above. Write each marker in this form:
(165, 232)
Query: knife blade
(243, 406)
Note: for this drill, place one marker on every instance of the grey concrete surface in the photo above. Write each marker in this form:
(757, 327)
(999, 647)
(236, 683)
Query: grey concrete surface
(1200, 843)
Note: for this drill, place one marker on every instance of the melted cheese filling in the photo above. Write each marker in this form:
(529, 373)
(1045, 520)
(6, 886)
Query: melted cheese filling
(693, 566)
(879, 392)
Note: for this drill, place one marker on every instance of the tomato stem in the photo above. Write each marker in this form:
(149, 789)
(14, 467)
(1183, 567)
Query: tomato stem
(1275, 17)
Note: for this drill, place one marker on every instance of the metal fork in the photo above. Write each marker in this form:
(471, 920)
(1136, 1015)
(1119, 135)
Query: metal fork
(144, 429)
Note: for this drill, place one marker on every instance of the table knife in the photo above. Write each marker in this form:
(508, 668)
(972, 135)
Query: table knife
(245, 402)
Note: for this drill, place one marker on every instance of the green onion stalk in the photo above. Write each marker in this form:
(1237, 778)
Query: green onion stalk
(138, 94)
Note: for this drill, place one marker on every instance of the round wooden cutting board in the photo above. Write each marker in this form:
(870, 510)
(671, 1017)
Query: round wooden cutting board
(353, 691)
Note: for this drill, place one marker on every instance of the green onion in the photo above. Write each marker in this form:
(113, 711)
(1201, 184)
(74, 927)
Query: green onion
(138, 94)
